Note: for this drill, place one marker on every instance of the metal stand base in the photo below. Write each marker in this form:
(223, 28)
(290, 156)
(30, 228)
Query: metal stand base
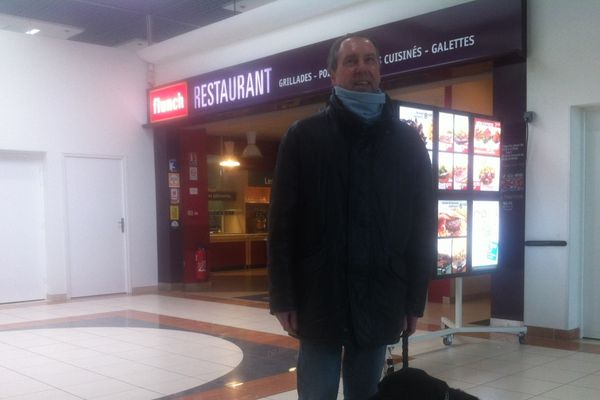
(449, 327)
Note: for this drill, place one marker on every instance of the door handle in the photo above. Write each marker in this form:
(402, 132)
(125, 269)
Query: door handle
(122, 223)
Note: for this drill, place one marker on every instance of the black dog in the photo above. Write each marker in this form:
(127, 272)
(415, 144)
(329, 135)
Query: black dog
(416, 384)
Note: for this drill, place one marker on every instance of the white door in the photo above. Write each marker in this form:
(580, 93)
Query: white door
(591, 247)
(95, 218)
(22, 244)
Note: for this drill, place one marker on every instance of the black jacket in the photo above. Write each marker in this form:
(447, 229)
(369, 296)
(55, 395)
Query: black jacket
(351, 226)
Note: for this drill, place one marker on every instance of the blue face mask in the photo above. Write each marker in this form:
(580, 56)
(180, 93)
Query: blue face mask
(367, 105)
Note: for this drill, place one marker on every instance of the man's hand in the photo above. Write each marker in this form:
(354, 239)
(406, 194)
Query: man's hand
(288, 321)
(410, 325)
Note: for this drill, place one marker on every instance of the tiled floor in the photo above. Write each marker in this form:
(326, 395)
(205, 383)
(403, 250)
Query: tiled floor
(224, 345)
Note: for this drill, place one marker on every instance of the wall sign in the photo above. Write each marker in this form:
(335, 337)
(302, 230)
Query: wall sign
(473, 31)
(174, 180)
(168, 102)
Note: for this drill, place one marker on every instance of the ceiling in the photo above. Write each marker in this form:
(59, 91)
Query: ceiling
(118, 23)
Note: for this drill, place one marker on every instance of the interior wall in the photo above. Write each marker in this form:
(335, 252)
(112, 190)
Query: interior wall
(562, 70)
(61, 97)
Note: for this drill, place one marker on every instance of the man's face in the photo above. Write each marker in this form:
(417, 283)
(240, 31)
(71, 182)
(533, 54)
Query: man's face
(357, 66)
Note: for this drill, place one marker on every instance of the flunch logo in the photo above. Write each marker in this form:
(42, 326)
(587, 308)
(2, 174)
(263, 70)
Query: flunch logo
(168, 102)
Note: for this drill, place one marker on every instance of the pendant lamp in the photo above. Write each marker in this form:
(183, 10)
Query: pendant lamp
(251, 150)
(229, 159)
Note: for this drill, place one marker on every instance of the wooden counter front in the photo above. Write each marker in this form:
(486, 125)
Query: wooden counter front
(237, 250)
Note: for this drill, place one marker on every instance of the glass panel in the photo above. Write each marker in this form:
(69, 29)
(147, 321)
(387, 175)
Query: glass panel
(486, 227)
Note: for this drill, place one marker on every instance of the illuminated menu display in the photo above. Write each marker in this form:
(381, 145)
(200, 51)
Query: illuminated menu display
(466, 156)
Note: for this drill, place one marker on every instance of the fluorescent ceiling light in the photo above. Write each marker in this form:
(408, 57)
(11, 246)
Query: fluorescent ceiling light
(47, 29)
(32, 31)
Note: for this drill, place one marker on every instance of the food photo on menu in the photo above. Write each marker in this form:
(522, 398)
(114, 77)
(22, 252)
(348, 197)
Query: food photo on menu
(452, 218)
(460, 171)
(461, 134)
(445, 170)
(459, 255)
(444, 259)
(486, 173)
(452, 256)
(446, 132)
(487, 137)
(422, 120)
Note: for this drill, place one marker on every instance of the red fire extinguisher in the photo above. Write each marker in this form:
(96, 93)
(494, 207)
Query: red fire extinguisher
(200, 264)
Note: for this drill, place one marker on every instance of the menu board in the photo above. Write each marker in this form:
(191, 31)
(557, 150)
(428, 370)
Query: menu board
(465, 151)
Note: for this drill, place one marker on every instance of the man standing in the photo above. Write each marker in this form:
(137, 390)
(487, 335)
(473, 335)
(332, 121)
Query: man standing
(351, 230)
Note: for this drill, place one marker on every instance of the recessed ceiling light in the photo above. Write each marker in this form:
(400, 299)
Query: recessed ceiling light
(32, 31)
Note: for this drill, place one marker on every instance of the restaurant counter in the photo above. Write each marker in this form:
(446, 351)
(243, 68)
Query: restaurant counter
(236, 250)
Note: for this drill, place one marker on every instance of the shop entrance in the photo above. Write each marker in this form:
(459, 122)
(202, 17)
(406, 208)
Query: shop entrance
(236, 238)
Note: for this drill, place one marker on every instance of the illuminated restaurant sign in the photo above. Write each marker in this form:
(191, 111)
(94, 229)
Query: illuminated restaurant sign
(474, 31)
(168, 102)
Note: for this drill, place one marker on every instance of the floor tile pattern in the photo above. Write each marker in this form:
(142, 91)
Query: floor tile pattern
(226, 346)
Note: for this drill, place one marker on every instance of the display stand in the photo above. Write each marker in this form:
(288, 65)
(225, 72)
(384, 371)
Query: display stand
(449, 328)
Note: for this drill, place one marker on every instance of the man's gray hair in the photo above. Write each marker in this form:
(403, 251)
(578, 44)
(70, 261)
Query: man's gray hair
(335, 49)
